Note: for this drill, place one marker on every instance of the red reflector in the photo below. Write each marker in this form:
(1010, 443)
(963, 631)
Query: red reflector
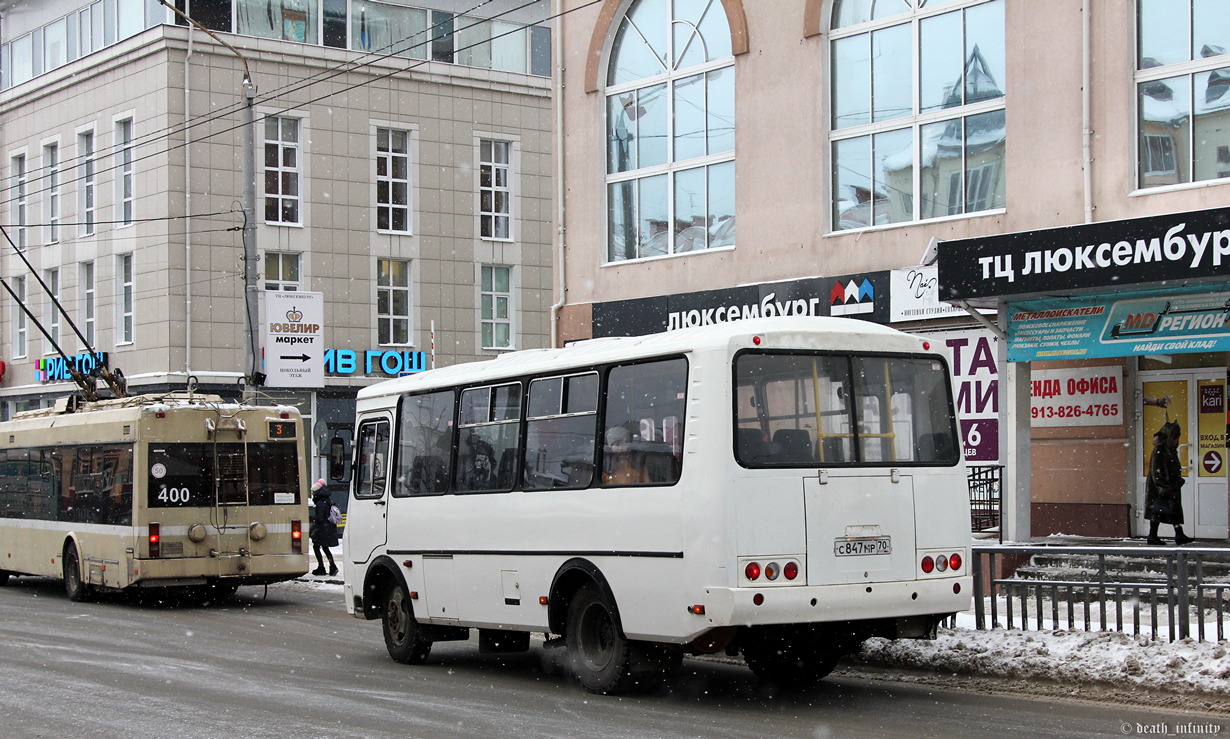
(296, 537)
(791, 570)
(542, 600)
(283, 414)
(155, 540)
(954, 561)
(956, 588)
(160, 414)
(756, 340)
(928, 564)
(752, 571)
(926, 345)
(414, 595)
(758, 599)
(699, 610)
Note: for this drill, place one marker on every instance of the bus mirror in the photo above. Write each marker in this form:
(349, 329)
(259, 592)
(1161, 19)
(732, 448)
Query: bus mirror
(337, 460)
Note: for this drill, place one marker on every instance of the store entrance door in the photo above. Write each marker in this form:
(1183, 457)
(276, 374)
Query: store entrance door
(1197, 402)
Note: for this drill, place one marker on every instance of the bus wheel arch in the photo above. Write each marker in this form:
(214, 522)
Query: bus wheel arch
(382, 574)
(75, 585)
(573, 575)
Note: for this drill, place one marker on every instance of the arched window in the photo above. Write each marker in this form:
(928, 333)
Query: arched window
(917, 109)
(670, 130)
(1183, 91)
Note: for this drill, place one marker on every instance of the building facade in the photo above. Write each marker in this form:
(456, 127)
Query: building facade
(855, 142)
(402, 186)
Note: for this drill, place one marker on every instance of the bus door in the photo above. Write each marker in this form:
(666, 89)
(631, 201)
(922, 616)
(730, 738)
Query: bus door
(860, 526)
(369, 498)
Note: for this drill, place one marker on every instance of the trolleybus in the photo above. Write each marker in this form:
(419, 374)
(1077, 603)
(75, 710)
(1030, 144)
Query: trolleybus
(779, 488)
(179, 490)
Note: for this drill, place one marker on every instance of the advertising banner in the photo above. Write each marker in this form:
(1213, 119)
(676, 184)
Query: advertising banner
(1088, 396)
(294, 339)
(976, 377)
(1170, 323)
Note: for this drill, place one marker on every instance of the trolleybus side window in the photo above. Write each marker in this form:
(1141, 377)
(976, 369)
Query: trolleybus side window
(489, 442)
(561, 432)
(643, 442)
(425, 444)
(817, 410)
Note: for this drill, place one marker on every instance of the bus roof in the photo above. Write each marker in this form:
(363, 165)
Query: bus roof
(845, 334)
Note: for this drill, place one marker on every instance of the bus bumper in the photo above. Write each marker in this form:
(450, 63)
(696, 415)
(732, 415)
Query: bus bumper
(817, 604)
(259, 569)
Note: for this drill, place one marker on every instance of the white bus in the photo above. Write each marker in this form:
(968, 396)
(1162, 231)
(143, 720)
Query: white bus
(179, 490)
(781, 488)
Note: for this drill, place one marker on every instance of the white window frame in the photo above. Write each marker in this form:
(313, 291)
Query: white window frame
(19, 182)
(125, 270)
(89, 304)
(125, 180)
(51, 277)
(280, 261)
(493, 298)
(279, 198)
(21, 324)
(51, 192)
(386, 183)
(87, 192)
(490, 169)
(388, 293)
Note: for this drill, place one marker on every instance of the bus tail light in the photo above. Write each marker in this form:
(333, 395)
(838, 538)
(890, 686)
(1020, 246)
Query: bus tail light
(941, 563)
(752, 571)
(296, 537)
(791, 570)
(928, 564)
(155, 540)
(954, 561)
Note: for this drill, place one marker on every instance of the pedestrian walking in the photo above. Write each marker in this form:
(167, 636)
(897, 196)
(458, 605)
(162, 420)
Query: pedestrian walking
(324, 527)
(1163, 487)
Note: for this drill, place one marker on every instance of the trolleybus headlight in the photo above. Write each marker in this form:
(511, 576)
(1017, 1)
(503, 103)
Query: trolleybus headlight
(928, 564)
(155, 540)
(941, 563)
(791, 570)
(954, 561)
(196, 532)
(752, 571)
(296, 537)
(772, 570)
(257, 531)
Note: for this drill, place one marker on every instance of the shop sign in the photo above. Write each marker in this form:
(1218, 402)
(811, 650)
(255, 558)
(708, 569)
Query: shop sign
(1175, 247)
(389, 362)
(293, 338)
(1088, 396)
(916, 295)
(1165, 323)
(1211, 446)
(56, 369)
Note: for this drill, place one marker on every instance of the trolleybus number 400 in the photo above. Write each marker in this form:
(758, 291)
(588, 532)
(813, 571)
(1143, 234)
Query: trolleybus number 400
(855, 547)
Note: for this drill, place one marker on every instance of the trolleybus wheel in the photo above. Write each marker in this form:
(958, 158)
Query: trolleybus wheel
(788, 657)
(76, 589)
(601, 658)
(4, 577)
(402, 636)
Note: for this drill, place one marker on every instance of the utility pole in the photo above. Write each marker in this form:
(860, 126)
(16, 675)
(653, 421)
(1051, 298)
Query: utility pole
(252, 376)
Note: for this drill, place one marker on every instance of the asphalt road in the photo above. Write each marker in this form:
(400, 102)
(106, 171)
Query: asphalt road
(293, 664)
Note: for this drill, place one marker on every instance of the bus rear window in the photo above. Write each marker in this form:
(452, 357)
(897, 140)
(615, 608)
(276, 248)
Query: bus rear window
(819, 410)
(206, 474)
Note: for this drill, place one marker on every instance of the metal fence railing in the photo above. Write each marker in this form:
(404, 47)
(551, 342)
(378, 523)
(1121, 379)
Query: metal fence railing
(984, 486)
(1167, 593)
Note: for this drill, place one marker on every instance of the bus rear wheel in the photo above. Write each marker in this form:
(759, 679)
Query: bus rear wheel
(76, 588)
(792, 658)
(605, 662)
(4, 577)
(402, 636)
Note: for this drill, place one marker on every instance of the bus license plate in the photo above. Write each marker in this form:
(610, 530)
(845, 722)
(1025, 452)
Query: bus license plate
(858, 547)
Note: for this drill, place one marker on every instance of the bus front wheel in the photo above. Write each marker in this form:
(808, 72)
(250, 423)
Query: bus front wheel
(76, 588)
(402, 636)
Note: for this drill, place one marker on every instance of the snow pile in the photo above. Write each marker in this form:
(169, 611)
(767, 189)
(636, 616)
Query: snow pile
(1106, 657)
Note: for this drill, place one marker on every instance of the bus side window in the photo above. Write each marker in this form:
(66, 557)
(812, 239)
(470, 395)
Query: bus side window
(372, 453)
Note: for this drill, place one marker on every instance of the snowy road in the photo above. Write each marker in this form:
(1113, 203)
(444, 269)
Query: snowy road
(295, 665)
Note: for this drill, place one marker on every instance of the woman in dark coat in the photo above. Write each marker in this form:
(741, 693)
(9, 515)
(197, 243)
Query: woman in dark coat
(324, 531)
(1163, 488)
